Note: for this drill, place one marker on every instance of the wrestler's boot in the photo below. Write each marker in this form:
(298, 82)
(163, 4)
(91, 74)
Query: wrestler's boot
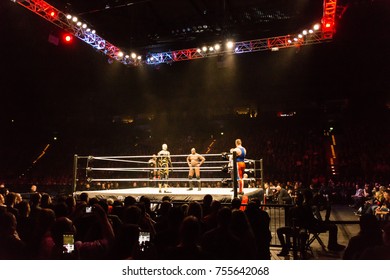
(191, 183)
(240, 183)
(166, 188)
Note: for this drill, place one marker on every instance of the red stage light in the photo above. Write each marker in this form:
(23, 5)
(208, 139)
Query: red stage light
(67, 38)
(52, 14)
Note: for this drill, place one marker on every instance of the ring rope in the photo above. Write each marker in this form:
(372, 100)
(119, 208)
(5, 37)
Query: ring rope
(206, 162)
(149, 156)
(154, 180)
(121, 160)
(206, 168)
(228, 179)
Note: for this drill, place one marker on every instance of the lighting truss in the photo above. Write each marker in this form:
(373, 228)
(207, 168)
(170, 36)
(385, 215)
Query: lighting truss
(80, 30)
(273, 44)
(77, 28)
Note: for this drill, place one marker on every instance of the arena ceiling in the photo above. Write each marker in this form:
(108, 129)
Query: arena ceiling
(161, 25)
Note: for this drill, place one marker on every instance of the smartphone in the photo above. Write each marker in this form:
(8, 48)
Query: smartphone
(88, 209)
(144, 239)
(68, 243)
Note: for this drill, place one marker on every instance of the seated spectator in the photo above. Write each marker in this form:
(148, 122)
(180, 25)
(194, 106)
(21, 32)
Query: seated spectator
(188, 247)
(283, 197)
(3, 207)
(101, 245)
(316, 225)
(126, 244)
(11, 246)
(10, 202)
(220, 243)
(370, 235)
(296, 226)
(384, 206)
(61, 226)
(379, 252)
(358, 198)
(260, 221)
(241, 227)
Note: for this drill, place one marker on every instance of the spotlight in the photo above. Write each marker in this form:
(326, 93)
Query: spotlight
(74, 19)
(133, 55)
(316, 26)
(204, 49)
(229, 45)
(217, 47)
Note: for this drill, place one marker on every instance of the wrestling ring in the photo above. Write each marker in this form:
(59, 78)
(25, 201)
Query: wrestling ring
(116, 177)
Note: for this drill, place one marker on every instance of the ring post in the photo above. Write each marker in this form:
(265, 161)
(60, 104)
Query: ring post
(261, 173)
(75, 158)
(235, 174)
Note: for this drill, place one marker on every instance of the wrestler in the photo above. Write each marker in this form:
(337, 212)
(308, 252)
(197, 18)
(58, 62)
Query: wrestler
(164, 164)
(241, 153)
(153, 169)
(194, 161)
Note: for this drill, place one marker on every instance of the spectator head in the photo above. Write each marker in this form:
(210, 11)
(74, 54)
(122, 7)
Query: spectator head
(236, 203)
(166, 198)
(215, 206)
(84, 197)
(46, 200)
(10, 199)
(24, 208)
(207, 199)
(386, 234)
(129, 200)
(224, 217)
(369, 223)
(7, 224)
(132, 215)
(195, 209)
(33, 188)
(35, 199)
(190, 230)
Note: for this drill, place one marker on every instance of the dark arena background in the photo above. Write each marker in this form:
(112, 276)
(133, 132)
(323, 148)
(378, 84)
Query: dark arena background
(91, 90)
